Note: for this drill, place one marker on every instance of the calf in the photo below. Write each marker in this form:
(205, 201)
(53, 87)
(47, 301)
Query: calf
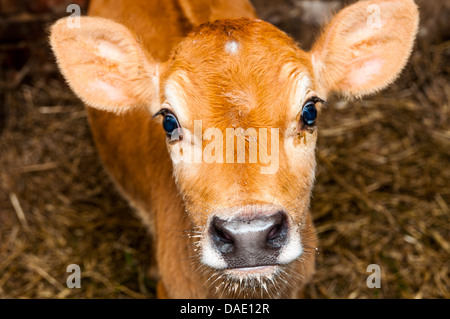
(205, 118)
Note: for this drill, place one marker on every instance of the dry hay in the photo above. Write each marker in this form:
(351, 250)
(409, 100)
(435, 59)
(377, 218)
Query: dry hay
(381, 196)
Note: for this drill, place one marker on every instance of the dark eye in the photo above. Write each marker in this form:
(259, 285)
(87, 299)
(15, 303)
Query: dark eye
(172, 128)
(309, 113)
(170, 125)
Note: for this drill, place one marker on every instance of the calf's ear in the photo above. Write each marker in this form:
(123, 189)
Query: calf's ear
(365, 47)
(104, 64)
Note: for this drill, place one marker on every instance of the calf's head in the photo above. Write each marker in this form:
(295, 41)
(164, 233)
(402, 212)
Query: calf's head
(239, 103)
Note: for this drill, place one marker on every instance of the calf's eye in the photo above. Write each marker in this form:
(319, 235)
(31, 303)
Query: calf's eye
(309, 113)
(170, 125)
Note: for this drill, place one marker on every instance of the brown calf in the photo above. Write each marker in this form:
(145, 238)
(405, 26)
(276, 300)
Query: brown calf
(205, 118)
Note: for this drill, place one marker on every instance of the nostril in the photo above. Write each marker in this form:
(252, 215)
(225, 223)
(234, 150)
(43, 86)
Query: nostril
(274, 232)
(222, 239)
(223, 235)
(278, 234)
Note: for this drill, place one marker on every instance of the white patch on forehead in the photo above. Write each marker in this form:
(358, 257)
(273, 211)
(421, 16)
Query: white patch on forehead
(176, 99)
(232, 47)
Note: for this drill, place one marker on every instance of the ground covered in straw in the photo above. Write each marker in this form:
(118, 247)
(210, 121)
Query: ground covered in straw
(382, 194)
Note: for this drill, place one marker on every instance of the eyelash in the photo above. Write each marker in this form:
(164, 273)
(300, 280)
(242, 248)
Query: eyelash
(162, 111)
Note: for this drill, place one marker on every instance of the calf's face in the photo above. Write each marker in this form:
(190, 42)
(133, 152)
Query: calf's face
(239, 103)
(239, 106)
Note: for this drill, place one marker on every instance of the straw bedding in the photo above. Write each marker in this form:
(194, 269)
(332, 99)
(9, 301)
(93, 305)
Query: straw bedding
(382, 193)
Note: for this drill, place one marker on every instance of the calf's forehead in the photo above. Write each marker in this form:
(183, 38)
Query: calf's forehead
(241, 72)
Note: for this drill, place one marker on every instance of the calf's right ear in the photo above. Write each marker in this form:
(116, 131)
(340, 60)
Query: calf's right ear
(104, 64)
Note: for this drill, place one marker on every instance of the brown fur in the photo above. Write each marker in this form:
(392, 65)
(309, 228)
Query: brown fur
(253, 88)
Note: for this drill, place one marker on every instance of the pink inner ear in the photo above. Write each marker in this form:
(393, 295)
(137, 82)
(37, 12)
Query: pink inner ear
(362, 73)
(110, 92)
(110, 51)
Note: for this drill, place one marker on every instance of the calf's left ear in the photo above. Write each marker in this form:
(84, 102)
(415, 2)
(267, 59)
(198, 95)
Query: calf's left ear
(365, 47)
